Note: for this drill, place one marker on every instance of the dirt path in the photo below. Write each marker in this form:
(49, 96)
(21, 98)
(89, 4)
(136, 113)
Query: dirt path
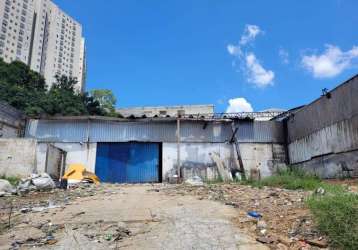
(154, 219)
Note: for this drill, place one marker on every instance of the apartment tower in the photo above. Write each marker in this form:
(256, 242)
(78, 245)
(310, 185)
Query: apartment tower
(40, 34)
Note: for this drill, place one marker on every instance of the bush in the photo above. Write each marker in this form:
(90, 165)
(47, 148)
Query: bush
(336, 215)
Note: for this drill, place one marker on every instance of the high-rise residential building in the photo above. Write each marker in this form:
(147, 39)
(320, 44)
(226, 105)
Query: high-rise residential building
(40, 34)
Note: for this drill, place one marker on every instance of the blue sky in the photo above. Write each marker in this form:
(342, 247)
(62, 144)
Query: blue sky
(271, 53)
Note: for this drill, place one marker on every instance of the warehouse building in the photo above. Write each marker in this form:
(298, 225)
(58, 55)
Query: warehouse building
(150, 150)
(320, 138)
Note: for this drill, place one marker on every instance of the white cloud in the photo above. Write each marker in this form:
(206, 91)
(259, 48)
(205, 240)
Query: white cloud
(256, 73)
(284, 56)
(251, 31)
(331, 62)
(233, 50)
(239, 105)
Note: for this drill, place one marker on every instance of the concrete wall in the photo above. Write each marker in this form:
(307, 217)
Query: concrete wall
(163, 111)
(266, 157)
(84, 153)
(17, 157)
(196, 160)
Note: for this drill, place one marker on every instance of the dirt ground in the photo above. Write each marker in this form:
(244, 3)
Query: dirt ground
(121, 217)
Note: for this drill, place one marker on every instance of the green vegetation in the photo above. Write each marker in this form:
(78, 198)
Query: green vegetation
(26, 90)
(336, 215)
(217, 180)
(106, 99)
(13, 180)
(289, 179)
(335, 211)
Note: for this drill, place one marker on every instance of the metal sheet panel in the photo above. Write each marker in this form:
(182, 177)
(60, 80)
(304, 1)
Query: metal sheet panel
(114, 131)
(342, 104)
(55, 131)
(205, 131)
(260, 131)
(337, 138)
(109, 131)
(127, 162)
(9, 114)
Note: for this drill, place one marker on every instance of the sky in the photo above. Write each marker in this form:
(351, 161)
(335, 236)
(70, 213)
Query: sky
(238, 55)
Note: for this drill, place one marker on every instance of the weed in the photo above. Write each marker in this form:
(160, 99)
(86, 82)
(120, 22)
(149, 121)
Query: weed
(214, 181)
(289, 179)
(13, 180)
(336, 214)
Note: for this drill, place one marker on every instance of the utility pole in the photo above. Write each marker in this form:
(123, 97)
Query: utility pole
(178, 148)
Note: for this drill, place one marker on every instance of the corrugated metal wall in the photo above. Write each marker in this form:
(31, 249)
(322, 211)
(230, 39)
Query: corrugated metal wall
(327, 126)
(164, 131)
(324, 112)
(337, 138)
(260, 131)
(9, 114)
(10, 121)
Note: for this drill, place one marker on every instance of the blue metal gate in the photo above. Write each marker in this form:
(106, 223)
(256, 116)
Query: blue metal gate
(129, 162)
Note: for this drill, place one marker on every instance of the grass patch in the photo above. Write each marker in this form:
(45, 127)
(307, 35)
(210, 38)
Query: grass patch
(13, 180)
(336, 214)
(289, 179)
(214, 181)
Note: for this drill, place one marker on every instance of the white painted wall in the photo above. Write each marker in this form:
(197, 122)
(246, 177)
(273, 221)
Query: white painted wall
(196, 155)
(257, 156)
(76, 153)
(17, 157)
(254, 155)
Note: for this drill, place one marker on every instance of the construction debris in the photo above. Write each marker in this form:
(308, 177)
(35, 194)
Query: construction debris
(6, 188)
(42, 181)
(195, 181)
(224, 172)
(77, 173)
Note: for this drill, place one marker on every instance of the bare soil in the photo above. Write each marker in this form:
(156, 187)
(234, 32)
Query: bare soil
(121, 217)
(286, 222)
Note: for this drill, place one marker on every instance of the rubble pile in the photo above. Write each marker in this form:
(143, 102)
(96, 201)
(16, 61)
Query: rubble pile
(36, 199)
(35, 182)
(276, 217)
(28, 233)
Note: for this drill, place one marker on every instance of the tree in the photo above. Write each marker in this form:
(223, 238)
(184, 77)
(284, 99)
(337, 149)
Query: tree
(93, 106)
(63, 99)
(22, 88)
(106, 99)
(26, 90)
